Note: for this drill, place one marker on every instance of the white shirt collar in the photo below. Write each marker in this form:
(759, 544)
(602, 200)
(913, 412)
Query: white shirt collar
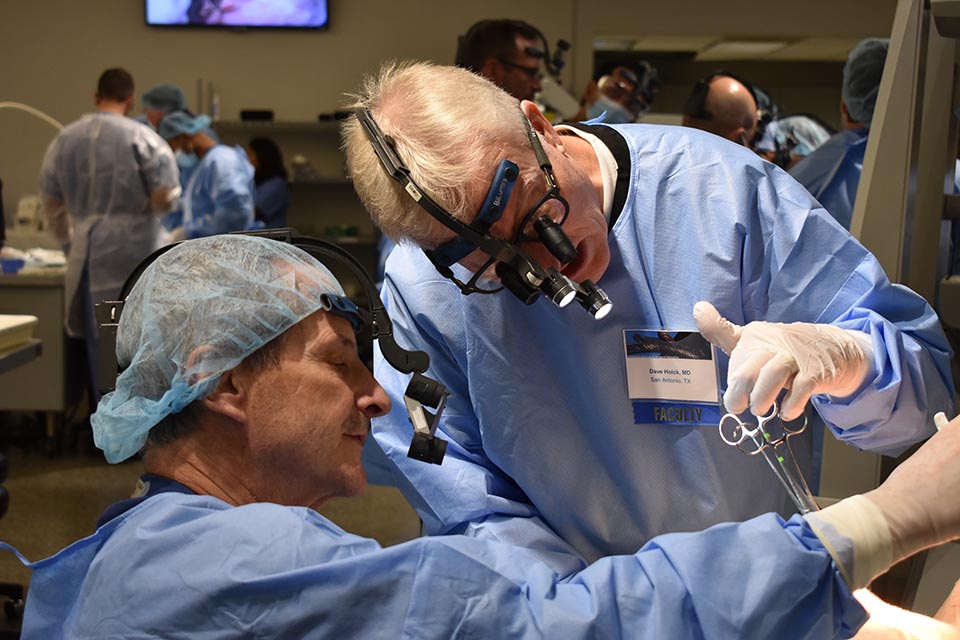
(608, 165)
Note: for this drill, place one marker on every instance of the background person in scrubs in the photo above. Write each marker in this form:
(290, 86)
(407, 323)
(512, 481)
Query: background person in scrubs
(219, 195)
(105, 180)
(832, 172)
(254, 414)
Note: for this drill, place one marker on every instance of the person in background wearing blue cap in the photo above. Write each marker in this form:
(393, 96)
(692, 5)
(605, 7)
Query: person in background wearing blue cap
(832, 172)
(105, 180)
(160, 100)
(243, 386)
(219, 195)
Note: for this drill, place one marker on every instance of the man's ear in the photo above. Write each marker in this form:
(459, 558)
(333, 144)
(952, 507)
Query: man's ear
(230, 397)
(541, 125)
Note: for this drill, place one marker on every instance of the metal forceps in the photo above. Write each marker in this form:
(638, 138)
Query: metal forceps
(774, 446)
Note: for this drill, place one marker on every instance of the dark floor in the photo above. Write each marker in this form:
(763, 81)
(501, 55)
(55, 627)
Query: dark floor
(56, 498)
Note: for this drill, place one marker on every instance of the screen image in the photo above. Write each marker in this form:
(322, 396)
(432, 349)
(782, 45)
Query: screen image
(302, 14)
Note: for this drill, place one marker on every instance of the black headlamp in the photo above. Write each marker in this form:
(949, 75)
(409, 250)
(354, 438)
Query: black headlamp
(519, 273)
(421, 392)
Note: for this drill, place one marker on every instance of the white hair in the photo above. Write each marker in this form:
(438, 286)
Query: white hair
(448, 125)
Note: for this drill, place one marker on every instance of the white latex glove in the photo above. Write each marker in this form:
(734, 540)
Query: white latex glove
(802, 357)
(919, 499)
(888, 622)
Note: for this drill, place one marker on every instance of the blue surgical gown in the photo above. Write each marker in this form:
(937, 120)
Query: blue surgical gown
(178, 565)
(832, 172)
(540, 425)
(219, 196)
(272, 200)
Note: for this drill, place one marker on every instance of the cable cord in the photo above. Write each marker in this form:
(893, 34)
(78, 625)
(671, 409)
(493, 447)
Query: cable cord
(32, 111)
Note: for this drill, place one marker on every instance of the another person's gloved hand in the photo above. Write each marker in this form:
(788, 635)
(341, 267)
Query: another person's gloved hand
(919, 498)
(802, 357)
(915, 508)
(888, 622)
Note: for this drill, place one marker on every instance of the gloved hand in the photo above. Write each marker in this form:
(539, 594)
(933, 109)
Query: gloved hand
(919, 499)
(802, 357)
(888, 622)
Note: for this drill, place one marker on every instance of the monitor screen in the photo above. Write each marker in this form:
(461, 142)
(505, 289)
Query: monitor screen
(296, 14)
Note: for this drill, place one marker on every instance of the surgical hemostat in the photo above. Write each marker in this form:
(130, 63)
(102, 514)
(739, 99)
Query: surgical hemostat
(774, 445)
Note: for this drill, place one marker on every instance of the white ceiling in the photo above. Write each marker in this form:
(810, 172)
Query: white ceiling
(718, 47)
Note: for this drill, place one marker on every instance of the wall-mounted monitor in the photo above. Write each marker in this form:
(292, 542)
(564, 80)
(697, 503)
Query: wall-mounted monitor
(249, 14)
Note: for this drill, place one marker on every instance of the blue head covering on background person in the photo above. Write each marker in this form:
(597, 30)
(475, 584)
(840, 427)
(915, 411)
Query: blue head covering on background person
(182, 122)
(217, 180)
(197, 312)
(158, 101)
(861, 78)
(832, 172)
(164, 97)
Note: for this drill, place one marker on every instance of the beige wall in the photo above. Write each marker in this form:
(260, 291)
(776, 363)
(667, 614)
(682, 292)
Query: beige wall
(51, 51)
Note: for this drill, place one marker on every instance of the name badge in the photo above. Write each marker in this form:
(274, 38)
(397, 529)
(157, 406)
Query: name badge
(671, 377)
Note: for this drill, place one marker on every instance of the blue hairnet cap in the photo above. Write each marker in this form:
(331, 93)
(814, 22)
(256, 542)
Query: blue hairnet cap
(196, 312)
(178, 122)
(165, 97)
(861, 78)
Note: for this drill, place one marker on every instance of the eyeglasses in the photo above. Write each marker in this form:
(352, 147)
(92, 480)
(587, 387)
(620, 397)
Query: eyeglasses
(531, 72)
(539, 224)
(542, 223)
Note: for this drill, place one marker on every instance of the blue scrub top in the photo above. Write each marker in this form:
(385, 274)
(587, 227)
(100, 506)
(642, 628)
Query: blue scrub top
(219, 196)
(175, 564)
(545, 448)
(832, 173)
(272, 200)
